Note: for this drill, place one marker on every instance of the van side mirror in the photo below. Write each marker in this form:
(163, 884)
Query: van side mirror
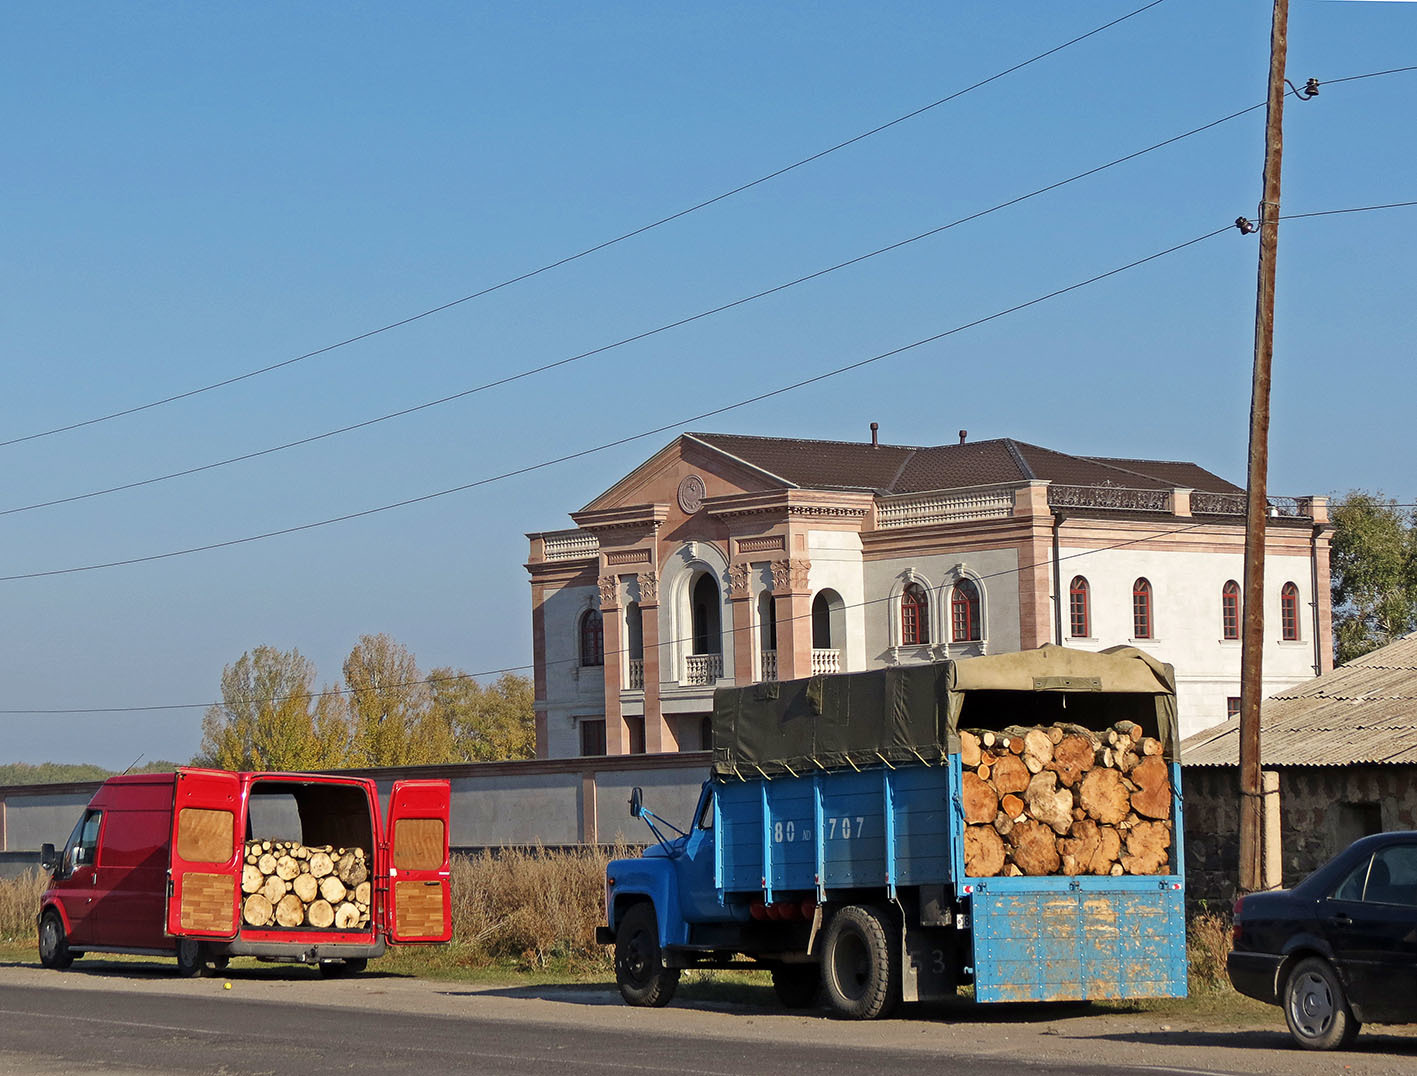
(637, 797)
(48, 858)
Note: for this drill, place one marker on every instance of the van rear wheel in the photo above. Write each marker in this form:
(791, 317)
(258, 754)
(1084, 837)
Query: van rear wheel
(53, 945)
(339, 969)
(191, 958)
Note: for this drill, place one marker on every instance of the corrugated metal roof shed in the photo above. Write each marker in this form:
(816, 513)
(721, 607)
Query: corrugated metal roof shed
(1362, 712)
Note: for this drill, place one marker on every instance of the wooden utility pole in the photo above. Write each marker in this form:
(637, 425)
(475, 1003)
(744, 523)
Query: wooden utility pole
(1256, 504)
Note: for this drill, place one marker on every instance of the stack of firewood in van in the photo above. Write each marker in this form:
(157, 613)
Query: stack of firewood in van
(1063, 799)
(289, 884)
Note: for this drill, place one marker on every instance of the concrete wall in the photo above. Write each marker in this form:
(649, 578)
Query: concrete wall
(550, 802)
(1322, 810)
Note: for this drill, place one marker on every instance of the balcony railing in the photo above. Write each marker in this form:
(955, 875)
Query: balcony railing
(637, 675)
(769, 666)
(826, 662)
(921, 509)
(703, 669)
(570, 545)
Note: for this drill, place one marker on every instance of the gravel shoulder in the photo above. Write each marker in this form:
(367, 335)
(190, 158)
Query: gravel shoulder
(1223, 1041)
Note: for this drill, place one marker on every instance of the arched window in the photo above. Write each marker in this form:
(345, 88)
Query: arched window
(704, 607)
(821, 622)
(1079, 611)
(1289, 612)
(1230, 610)
(914, 616)
(965, 623)
(592, 639)
(1141, 610)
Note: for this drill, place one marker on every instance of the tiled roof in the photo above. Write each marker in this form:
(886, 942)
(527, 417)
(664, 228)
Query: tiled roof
(1361, 712)
(858, 465)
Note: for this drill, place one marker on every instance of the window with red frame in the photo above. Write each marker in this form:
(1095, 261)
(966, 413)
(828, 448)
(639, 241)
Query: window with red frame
(592, 639)
(1141, 610)
(1079, 611)
(914, 616)
(1230, 610)
(1289, 612)
(964, 612)
(1232, 706)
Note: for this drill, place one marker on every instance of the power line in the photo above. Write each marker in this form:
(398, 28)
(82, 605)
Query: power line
(640, 335)
(622, 440)
(566, 260)
(662, 644)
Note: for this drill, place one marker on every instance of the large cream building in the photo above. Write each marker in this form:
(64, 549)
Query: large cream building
(727, 559)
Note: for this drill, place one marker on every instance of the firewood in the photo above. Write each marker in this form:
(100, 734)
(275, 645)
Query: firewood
(1153, 780)
(361, 893)
(351, 869)
(1091, 849)
(273, 889)
(1109, 758)
(968, 750)
(320, 914)
(251, 878)
(1034, 848)
(983, 852)
(1103, 796)
(1049, 804)
(305, 887)
(1010, 775)
(1117, 870)
(1055, 734)
(321, 864)
(1147, 845)
(1011, 805)
(1004, 823)
(256, 911)
(267, 863)
(346, 916)
(266, 847)
(290, 912)
(981, 802)
(332, 889)
(287, 867)
(1129, 729)
(983, 770)
(1072, 757)
(1150, 746)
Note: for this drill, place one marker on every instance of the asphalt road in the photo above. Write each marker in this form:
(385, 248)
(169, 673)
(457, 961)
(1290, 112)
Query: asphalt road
(127, 1019)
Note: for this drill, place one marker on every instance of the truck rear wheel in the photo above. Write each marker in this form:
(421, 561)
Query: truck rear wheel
(797, 985)
(53, 945)
(859, 968)
(639, 962)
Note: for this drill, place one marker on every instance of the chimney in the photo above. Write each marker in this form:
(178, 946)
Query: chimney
(875, 440)
(962, 435)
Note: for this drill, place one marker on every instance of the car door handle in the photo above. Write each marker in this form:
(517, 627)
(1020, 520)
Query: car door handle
(1340, 921)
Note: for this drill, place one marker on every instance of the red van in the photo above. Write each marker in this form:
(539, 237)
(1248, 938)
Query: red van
(205, 865)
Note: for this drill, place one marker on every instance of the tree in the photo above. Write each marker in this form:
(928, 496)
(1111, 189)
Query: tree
(272, 718)
(1373, 561)
(392, 721)
(489, 724)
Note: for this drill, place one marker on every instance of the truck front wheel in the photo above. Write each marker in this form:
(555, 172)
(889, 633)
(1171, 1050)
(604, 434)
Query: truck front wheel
(639, 962)
(859, 968)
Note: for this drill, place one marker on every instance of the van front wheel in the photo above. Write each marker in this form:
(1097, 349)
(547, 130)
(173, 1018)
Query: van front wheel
(639, 961)
(53, 945)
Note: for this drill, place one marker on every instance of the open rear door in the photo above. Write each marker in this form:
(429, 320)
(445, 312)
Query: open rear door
(420, 900)
(205, 868)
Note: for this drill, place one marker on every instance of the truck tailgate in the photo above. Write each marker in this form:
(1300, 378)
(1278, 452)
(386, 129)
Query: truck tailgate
(1057, 943)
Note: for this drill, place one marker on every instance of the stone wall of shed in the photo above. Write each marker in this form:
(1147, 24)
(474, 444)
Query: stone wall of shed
(1322, 810)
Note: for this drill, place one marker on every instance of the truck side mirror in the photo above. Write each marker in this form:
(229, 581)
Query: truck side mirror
(48, 858)
(636, 801)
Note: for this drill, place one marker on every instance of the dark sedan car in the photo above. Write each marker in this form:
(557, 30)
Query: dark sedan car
(1340, 948)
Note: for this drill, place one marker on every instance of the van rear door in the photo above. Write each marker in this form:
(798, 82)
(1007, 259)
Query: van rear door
(204, 876)
(420, 903)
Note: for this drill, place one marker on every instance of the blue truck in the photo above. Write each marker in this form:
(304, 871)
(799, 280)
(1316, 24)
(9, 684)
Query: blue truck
(832, 845)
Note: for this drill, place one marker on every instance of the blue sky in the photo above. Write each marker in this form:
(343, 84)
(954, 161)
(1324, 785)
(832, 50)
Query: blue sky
(196, 191)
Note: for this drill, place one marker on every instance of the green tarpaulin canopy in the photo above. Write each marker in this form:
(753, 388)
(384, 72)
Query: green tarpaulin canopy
(914, 712)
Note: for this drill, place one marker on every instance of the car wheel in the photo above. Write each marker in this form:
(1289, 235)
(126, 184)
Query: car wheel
(639, 963)
(859, 969)
(797, 985)
(1315, 1007)
(191, 961)
(53, 945)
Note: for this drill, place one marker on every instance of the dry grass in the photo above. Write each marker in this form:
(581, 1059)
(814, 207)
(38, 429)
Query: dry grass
(1207, 946)
(19, 903)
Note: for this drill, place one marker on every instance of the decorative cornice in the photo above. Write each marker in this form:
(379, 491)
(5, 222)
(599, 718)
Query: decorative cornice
(790, 575)
(609, 592)
(739, 576)
(649, 588)
(636, 516)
